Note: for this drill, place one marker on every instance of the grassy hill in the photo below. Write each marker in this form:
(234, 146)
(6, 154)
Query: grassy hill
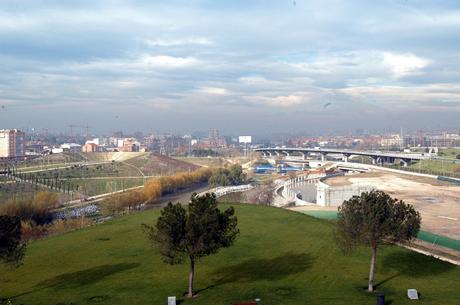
(282, 257)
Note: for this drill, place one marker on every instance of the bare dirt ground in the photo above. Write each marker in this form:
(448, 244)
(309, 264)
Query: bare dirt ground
(438, 202)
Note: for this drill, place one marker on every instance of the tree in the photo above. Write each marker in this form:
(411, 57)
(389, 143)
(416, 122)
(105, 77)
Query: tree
(374, 219)
(236, 174)
(228, 176)
(12, 249)
(198, 231)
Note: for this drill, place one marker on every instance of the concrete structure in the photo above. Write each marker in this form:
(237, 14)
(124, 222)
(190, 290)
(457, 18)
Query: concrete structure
(376, 156)
(130, 145)
(12, 143)
(328, 195)
(394, 140)
(89, 147)
(71, 147)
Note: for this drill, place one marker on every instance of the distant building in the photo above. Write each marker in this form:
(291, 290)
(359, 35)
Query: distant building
(214, 140)
(213, 134)
(71, 147)
(394, 140)
(89, 147)
(12, 143)
(130, 145)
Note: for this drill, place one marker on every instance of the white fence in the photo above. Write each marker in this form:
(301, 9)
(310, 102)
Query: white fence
(290, 194)
(224, 190)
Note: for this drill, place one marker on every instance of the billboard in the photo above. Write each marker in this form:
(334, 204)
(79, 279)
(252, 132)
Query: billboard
(244, 139)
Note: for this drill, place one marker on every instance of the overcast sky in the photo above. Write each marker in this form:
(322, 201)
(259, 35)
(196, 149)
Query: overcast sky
(245, 67)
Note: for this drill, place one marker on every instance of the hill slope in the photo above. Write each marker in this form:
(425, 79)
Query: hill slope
(281, 257)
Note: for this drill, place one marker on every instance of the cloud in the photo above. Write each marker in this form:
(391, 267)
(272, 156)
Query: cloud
(364, 57)
(169, 62)
(280, 101)
(179, 42)
(213, 91)
(404, 64)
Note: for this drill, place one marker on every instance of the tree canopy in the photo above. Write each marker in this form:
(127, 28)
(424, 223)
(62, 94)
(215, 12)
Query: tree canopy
(374, 219)
(12, 250)
(199, 230)
(233, 175)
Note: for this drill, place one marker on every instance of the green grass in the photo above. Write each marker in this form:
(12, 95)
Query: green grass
(281, 256)
(432, 167)
(92, 187)
(449, 152)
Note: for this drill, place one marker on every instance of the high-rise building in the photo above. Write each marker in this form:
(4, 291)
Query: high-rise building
(213, 135)
(12, 143)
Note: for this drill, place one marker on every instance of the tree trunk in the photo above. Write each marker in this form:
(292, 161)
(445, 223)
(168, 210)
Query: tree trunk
(190, 277)
(372, 269)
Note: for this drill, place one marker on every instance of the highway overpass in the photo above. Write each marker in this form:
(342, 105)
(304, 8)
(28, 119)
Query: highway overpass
(377, 157)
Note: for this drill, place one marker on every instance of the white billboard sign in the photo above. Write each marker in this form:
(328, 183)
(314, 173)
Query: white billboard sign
(245, 139)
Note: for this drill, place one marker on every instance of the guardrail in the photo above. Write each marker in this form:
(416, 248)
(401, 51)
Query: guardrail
(224, 190)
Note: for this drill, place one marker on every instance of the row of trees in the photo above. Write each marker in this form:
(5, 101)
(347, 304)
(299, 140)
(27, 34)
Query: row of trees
(40, 181)
(153, 190)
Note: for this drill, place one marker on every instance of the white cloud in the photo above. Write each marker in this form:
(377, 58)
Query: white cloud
(178, 42)
(280, 101)
(404, 64)
(169, 62)
(214, 91)
(142, 62)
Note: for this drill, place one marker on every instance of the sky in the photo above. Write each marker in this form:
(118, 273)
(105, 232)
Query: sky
(246, 67)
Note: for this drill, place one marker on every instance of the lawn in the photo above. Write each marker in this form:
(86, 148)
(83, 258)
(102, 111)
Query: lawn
(92, 187)
(282, 257)
(449, 152)
(433, 167)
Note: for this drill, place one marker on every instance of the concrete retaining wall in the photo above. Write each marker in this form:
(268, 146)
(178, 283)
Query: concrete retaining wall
(335, 195)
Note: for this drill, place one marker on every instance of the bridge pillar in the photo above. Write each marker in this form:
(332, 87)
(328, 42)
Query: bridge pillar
(323, 156)
(345, 157)
(405, 162)
(304, 156)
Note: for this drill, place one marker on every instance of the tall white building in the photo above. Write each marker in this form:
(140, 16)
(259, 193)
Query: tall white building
(12, 143)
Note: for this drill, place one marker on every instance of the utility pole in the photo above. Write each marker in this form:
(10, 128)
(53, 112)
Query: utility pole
(87, 127)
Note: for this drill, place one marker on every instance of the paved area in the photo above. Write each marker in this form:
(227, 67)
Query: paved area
(438, 202)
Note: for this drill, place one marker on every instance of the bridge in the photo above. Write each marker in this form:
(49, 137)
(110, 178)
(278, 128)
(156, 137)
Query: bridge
(376, 156)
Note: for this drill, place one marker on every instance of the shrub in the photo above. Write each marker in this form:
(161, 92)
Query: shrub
(36, 209)
(66, 225)
(31, 231)
(152, 190)
(228, 176)
(46, 199)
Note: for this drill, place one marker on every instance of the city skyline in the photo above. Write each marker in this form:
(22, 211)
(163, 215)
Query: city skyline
(245, 67)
